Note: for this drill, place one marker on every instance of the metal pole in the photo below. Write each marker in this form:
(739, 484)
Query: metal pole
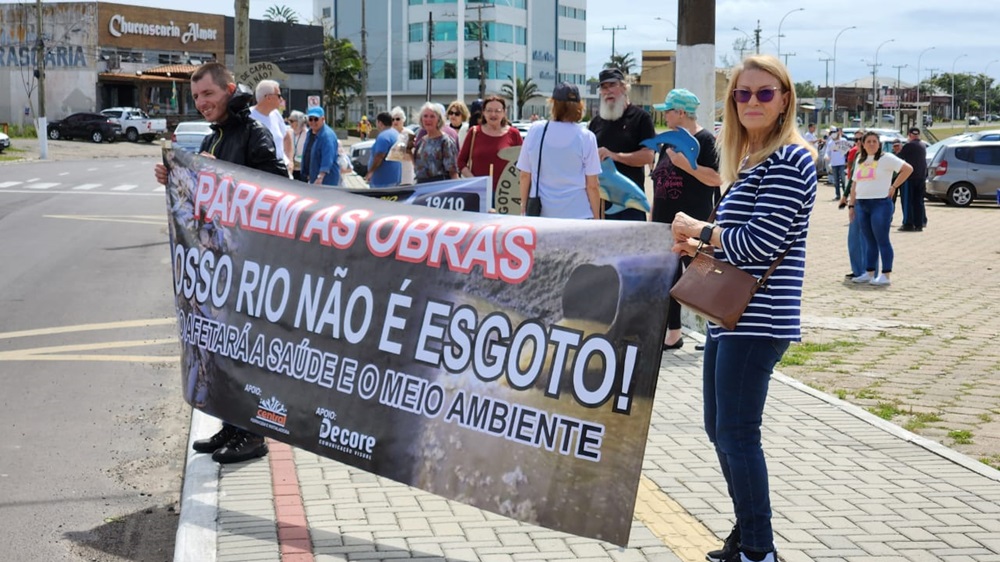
(613, 30)
(874, 85)
(779, 30)
(899, 99)
(837, 38)
(918, 73)
(42, 129)
(951, 116)
(986, 100)
(388, 54)
(460, 70)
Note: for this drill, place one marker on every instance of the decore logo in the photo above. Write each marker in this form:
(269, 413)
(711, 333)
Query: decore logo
(119, 26)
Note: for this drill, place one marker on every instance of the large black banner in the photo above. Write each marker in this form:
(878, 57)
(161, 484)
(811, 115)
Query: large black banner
(505, 362)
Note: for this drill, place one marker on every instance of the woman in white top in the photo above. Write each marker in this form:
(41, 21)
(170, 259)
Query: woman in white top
(567, 153)
(871, 204)
(399, 123)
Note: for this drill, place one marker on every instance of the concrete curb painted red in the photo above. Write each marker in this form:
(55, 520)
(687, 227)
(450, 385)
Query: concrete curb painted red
(294, 541)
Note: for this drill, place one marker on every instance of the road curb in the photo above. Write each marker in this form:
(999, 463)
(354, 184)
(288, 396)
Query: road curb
(198, 526)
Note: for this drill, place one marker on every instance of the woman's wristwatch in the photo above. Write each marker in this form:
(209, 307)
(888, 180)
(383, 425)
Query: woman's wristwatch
(706, 234)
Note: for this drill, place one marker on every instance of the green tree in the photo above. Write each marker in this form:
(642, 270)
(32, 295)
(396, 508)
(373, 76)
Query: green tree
(805, 89)
(526, 90)
(623, 62)
(342, 66)
(282, 14)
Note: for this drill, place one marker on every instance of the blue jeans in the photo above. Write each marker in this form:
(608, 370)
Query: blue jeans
(838, 178)
(874, 217)
(856, 247)
(736, 374)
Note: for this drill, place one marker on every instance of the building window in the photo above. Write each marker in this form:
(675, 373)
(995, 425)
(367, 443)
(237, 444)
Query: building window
(416, 32)
(442, 1)
(446, 31)
(572, 13)
(444, 69)
(520, 4)
(572, 78)
(416, 2)
(169, 58)
(326, 12)
(574, 46)
(499, 32)
(416, 70)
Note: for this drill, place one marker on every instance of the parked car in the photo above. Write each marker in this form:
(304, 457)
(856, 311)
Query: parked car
(359, 156)
(965, 171)
(189, 134)
(135, 123)
(987, 135)
(4, 142)
(973, 120)
(93, 126)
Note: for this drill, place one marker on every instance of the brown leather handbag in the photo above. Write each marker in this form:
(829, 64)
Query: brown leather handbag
(717, 290)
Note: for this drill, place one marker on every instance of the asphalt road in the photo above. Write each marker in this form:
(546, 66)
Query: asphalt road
(94, 425)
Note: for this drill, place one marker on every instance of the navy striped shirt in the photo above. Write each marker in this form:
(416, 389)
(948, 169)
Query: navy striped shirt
(763, 213)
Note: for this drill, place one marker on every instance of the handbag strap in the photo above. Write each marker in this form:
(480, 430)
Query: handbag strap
(538, 170)
(472, 147)
(774, 265)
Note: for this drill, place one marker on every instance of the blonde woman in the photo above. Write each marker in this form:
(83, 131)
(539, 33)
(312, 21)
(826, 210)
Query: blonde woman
(435, 155)
(764, 215)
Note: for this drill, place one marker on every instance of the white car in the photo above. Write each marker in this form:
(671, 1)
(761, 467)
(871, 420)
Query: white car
(189, 134)
(4, 142)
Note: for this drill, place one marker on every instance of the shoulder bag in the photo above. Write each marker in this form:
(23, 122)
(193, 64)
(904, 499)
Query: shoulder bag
(534, 207)
(472, 147)
(717, 290)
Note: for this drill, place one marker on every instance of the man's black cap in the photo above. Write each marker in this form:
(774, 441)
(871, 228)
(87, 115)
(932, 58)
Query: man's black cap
(914, 131)
(609, 74)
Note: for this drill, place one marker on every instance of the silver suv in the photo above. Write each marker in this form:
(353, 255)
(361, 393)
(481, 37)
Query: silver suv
(964, 172)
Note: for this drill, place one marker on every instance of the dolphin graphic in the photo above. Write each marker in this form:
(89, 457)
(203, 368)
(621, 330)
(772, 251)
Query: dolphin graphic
(619, 189)
(682, 141)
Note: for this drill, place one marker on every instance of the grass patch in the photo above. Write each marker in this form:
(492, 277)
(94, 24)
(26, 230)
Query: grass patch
(920, 421)
(993, 461)
(11, 154)
(867, 394)
(841, 393)
(799, 354)
(986, 417)
(960, 436)
(885, 410)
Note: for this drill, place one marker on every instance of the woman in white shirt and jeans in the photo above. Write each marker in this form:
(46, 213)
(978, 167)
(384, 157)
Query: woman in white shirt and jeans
(567, 153)
(871, 204)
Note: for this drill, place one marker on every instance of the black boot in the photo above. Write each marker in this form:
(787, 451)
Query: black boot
(216, 441)
(730, 548)
(242, 447)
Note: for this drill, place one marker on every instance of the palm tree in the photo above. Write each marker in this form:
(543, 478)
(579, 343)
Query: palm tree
(623, 62)
(526, 90)
(342, 66)
(282, 14)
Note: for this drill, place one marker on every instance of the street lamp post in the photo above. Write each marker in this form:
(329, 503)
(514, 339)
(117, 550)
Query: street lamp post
(783, 21)
(951, 116)
(837, 38)
(918, 73)
(986, 101)
(874, 80)
(899, 99)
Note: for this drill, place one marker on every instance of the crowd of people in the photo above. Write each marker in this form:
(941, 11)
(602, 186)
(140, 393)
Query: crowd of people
(748, 202)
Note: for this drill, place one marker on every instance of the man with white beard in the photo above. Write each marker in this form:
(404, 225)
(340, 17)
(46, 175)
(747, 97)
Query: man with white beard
(619, 129)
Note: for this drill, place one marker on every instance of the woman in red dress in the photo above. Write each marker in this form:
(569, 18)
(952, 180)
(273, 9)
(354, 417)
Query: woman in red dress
(483, 143)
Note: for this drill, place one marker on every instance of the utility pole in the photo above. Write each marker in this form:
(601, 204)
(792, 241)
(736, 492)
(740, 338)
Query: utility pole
(613, 30)
(786, 55)
(430, 51)
(756, 38)
(42, 128)
(826, 81)
(241, 25)
(481, 65)
(899, 99)
(364, 61)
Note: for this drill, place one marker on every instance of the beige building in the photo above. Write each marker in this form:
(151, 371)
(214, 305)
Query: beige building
(658, 75)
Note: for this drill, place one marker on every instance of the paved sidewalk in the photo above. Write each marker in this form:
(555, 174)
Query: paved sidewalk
(846, 486)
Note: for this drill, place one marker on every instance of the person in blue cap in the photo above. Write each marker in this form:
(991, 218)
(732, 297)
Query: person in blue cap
(319, 158)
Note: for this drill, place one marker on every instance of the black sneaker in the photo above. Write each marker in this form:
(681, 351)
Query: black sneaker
(730, 547)
(242, 447)
(216, 441)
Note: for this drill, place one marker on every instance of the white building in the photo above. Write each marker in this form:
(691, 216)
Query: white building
(541, 39)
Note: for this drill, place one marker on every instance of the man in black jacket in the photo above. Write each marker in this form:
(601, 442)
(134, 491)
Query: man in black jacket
(238, 138)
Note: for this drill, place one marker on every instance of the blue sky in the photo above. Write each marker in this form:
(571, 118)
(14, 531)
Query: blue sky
(914, 26)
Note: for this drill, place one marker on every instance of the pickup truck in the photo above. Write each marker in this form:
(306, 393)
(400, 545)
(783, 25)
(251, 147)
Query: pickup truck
(135, 123)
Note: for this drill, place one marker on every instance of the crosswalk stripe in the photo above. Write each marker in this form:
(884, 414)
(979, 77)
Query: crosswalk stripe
(86, 186)
(124, 187)
(9, 183)
(40, 185)
(160, 189)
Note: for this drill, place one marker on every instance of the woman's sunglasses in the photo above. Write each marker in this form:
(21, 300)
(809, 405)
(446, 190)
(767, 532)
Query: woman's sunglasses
(764, 95)
(454, 113)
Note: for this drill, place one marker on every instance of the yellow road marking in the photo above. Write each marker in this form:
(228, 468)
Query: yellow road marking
(133, 219)
(70, 352)
(89, 327)
(674, 526)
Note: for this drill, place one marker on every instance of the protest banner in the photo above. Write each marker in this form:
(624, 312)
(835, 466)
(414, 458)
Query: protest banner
(505, 362)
